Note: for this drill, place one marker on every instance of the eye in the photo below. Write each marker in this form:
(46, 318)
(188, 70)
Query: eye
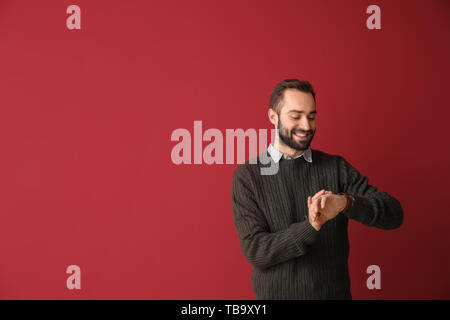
(295, 118)
(314, 118)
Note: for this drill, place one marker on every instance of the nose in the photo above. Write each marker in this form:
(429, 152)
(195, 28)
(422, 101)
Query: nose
(304, 124)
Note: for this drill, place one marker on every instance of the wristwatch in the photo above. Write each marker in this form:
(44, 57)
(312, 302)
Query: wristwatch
(350, 201)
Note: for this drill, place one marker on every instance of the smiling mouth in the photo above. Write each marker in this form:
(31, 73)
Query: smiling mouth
(301, 136)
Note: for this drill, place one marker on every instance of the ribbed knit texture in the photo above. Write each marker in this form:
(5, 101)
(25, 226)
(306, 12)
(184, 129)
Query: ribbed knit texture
(291, 260)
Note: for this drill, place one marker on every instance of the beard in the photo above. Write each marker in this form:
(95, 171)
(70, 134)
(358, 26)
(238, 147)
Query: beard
(287, 137)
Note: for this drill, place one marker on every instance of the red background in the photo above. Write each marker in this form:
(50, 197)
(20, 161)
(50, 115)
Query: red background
(86, 118)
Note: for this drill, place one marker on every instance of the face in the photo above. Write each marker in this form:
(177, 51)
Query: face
(297, 119)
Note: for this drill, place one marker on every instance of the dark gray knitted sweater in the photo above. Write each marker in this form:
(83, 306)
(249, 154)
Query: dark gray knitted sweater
(291, 260)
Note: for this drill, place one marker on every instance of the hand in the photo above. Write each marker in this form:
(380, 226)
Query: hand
(314, 209)
(324, 206)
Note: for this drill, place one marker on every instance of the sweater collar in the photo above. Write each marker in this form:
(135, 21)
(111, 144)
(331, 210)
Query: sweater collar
(277, 155)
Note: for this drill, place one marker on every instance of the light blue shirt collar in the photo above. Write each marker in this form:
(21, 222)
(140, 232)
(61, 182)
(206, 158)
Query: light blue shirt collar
(277, 155)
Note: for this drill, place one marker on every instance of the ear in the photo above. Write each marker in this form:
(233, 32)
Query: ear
(273, 117)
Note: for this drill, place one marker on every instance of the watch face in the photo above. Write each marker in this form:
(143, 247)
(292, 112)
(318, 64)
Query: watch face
(353, 201)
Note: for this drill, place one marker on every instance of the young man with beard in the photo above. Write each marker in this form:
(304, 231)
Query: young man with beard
(293, 224)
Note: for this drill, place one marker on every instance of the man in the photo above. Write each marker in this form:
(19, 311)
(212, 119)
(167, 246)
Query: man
(293, 224)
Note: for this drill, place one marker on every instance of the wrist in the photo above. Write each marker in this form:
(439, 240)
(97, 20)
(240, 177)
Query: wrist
(348, 199)
(344, 202)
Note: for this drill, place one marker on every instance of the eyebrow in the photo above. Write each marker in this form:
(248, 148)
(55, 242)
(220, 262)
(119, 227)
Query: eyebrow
(300, 111)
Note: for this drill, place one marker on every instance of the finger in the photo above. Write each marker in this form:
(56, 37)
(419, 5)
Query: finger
(310, 211)
(318, 194)
(314, 215)
(323, 200)
(313, 210)
(317, 217)
(316, 207)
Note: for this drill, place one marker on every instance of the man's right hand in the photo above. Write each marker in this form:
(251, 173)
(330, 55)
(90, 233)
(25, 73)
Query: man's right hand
(314, 216)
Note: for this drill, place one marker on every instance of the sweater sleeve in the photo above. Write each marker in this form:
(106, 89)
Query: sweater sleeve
(261, 247)
(372, 207)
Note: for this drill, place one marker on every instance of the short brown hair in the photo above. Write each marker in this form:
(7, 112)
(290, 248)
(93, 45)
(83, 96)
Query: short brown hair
(278, 91)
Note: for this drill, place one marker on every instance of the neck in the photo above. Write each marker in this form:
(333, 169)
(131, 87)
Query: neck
(286, 149)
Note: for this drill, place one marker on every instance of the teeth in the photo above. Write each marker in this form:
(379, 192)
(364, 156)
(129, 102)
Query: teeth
(300, 135)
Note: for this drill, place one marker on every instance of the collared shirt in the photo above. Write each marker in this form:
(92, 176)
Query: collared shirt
(277, 155)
